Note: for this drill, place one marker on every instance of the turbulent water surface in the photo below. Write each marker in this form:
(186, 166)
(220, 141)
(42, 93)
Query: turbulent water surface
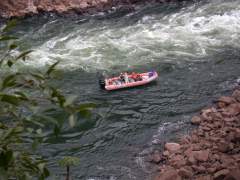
(195, 48)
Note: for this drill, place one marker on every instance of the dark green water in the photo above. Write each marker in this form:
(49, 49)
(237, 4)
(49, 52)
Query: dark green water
(195, 49)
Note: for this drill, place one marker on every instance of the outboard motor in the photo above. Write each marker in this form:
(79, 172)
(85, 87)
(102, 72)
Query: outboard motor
(101, 81)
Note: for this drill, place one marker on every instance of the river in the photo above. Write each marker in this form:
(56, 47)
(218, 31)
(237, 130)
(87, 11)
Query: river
(193, 46)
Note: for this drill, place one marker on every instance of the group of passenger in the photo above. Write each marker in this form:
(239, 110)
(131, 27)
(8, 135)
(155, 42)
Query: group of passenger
(126, 78)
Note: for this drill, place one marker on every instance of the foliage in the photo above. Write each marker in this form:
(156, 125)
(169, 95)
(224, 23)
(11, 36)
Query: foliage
(69, 161)
(26, 100)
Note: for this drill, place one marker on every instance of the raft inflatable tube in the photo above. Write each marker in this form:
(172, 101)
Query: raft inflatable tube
(143, 78)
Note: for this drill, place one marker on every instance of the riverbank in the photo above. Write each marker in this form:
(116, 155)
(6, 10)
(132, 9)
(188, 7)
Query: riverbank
(212, 151)
(22, 8)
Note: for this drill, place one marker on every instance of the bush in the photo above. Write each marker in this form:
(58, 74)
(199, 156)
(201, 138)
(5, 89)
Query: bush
(26, 100)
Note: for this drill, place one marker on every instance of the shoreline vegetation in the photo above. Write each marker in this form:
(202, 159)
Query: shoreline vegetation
(209, 152)
(24, 8)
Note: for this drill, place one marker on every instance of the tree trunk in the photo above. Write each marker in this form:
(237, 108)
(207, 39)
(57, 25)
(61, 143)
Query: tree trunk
(68, 173)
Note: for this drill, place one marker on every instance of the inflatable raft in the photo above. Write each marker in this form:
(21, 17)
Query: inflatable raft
(116, 83)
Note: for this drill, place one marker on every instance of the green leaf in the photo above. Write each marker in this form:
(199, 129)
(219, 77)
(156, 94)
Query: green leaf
(3, 174)
(58, 95)
(9, 81)
(39, 131)
(30, 130)
(52, 68)
(85, 113)
(7, 38)
(41, 166)
(10, 24)
(22, 95)
(56, 130)
(33, 122)
(5, 158)
(9, 63)
(84, 109)
(38, 76)
(24, 54)
(69, 161)
(72, 120)
(86, 106)
(70, 100)
(11, 99)
(18, 129)
(35, 144)
(46, 173)
(12, 46)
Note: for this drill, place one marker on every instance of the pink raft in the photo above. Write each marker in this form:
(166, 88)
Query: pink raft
(111, 83)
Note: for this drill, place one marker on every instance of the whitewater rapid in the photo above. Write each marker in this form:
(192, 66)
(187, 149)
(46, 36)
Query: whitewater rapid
(193, 46)
(187, 34)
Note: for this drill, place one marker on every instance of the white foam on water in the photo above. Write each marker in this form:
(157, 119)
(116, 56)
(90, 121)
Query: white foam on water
(193, 32)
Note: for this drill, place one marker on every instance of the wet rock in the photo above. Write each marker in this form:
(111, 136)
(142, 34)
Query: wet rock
(166, 153)
(205, 128)
(199, 168)
(9, 8)
(236, 95)
(225, 101)
(195, 139)
(204, 177)
(200, 132)
(177, 161)
(223, 146)
(226, 161)
(221, 174)
(211, 170)
(206, 114)
(217, 166)
(196, 147)
(185, 172)
(213, 150)
(156, 157)
(201, 155)
(196, 120)
(236, 136)
(233, 109)
(233, 175)
(191, 160)
(172, 147)
(185, 140)
(169, 174)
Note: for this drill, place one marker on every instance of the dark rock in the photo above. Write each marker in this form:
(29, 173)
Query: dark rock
(177, 161)
(169, 174)
(236, 95)
(226, 101)
(166, 153)
(233, 175)
(206, 114)
(223, 146)
(156, 157)
(199, 168)
(185, 172)
(204, 177)
(221, 174)
(172, 147)
(201, 155)
(233, 109)
(196, 120)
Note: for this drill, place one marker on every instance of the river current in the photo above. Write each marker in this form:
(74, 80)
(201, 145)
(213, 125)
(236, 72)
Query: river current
(193, 46)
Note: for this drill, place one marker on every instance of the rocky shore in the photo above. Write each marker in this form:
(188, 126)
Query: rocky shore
(211, 151)
(21, 8)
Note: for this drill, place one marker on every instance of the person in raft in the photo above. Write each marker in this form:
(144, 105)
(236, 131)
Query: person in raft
(136, 76)
(121, 77)
(126, 77)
